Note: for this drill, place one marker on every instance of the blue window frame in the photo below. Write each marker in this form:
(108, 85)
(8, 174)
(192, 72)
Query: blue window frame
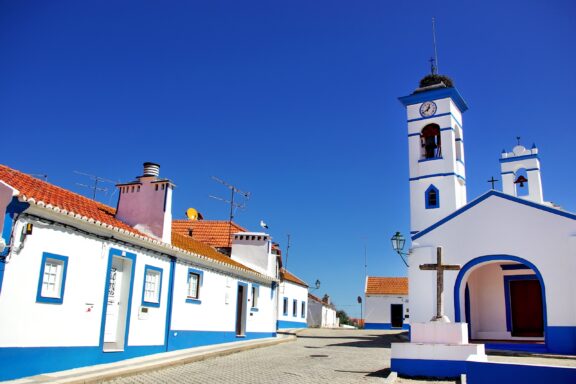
(152, 287)
(294, 308)
(52, 279)
(194, 286)
(303, 309)
(255, 296)
(432, 197)
(285, 307)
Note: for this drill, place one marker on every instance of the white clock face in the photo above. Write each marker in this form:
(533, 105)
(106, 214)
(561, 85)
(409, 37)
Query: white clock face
(428, 108)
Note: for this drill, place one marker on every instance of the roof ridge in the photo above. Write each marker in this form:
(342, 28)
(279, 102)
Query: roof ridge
(35, 180)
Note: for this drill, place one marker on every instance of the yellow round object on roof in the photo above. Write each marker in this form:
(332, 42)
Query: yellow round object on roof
(192, 214)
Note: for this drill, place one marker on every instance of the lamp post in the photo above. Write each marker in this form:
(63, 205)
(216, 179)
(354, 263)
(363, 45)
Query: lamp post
(361, 314)
(316, 285)
(398, 242)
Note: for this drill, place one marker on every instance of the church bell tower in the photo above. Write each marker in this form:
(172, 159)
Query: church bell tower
(436, 151)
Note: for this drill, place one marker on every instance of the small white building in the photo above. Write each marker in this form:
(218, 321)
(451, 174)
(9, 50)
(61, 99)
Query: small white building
(386, 304)
(292, 301)
(82, 283)
(517, 252)
(321, 313)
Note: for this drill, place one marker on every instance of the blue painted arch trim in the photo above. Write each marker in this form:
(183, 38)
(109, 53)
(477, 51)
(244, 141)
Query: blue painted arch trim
(472, 264)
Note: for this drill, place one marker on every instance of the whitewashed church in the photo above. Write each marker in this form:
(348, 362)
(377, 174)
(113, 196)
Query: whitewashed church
(516, 251)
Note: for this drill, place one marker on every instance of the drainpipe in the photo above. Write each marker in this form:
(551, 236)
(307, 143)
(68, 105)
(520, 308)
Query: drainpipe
(169, 302)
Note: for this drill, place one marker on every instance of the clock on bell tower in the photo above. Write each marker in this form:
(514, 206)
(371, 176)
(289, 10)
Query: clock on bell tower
(436, 151)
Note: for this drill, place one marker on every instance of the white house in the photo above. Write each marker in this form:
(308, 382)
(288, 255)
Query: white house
(386, 304)
(82, 283)
(292, 301)
(321, 313)
(517, 252)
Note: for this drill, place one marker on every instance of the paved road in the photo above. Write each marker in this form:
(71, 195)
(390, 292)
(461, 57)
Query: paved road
(318, 356)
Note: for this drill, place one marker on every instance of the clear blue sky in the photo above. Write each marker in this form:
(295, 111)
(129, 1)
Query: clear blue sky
(294, 101)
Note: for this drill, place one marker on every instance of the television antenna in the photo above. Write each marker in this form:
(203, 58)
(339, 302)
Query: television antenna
(40, 175)
(95, 185)
(233, 204)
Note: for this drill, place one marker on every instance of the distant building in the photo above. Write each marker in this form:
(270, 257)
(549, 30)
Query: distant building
(386, 303)
(293, 297)
(321, 312)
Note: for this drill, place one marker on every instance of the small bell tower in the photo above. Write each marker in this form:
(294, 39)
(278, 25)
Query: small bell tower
(436, 150)
(520, 170)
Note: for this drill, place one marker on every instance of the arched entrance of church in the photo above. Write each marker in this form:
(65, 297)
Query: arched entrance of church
(503, 300)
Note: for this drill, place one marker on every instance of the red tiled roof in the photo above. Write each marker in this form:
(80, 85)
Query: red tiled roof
(285, 275)
(30, 187)
(387, 286)
(216, 233)
(41, 191)
(189, 244)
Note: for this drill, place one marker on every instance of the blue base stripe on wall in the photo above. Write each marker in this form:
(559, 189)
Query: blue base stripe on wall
(561, 340)
(21, 362)
(284, 324)
(190, 339)
(385, 326)
(428, 368)
(485, 372)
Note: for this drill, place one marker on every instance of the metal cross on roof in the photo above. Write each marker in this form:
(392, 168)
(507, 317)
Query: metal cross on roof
(439, 268)
(493, 180)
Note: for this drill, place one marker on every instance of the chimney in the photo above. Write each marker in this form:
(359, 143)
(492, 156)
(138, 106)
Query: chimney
(146, 203)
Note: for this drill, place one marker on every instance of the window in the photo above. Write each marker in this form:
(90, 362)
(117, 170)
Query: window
(152, 286)
(303, 309)
(432, 197)
(430, 142)
(52, 279)
(194, 283)
(255, 294)
(294, 307)
(285, 307)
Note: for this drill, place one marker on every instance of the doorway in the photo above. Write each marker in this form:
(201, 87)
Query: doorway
(397, 315)
(526, 308)
(118, 293)
(241, 310)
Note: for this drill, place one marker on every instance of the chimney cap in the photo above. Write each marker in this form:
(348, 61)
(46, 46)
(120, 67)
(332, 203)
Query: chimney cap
(151, 169)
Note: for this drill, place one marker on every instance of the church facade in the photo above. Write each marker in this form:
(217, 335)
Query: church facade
(516, 251)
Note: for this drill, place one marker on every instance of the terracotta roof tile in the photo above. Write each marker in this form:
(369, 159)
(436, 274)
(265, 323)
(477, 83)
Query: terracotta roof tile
(63, 199)
(285, 275)
(189, 244)
(48, 193)
(387, 286)
(216, 233)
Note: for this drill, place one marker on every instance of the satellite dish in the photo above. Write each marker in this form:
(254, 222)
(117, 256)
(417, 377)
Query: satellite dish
(192, 214)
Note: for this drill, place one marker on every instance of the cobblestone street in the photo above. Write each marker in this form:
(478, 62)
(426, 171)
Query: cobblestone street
(318, 356)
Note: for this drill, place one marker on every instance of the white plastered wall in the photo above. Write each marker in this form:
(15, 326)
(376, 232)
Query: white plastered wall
(377, 308)
(497, 226)
(292, 291)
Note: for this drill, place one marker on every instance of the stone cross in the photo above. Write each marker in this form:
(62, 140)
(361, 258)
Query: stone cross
(439, 268)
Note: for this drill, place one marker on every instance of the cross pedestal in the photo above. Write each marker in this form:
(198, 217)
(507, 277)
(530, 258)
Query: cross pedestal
(437, 348)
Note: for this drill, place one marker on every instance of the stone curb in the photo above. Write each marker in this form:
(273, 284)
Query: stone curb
(101, 372)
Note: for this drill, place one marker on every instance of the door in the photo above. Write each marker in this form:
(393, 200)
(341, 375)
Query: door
(526, 308)
(116, 307)
(241, 311)
(397, 315)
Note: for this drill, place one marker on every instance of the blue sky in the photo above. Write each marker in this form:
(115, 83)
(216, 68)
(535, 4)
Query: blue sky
(294, 101)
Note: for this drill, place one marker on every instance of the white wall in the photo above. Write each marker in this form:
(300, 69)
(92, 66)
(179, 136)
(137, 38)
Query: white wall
(377, 308)
(498, 226)
(292, 291)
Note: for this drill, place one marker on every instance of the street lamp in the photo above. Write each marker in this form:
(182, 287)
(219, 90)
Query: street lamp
(316, 285)
(398, 242)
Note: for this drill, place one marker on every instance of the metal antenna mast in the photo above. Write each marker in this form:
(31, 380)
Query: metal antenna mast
(96, 179)
(287, 250)
(435, 60)
(233, 191)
